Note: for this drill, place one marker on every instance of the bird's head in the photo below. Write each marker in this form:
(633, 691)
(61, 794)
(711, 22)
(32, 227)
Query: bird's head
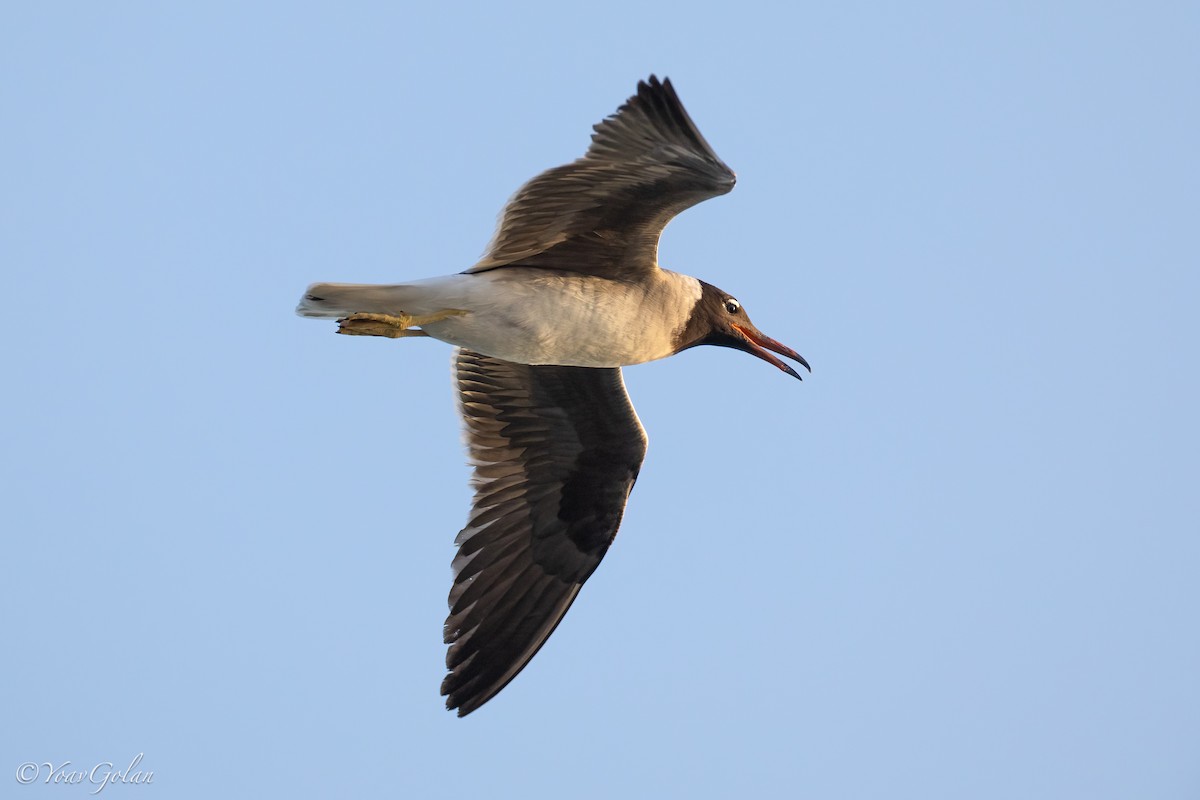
(719, 319)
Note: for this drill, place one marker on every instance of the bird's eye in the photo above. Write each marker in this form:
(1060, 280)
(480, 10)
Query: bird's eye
(732, 306)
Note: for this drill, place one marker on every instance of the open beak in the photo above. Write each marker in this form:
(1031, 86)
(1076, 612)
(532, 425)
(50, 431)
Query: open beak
(760, 344)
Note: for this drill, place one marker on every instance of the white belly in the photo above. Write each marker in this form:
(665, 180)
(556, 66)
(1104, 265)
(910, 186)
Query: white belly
(539, 317)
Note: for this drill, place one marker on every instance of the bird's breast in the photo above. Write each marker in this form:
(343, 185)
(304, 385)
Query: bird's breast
(533, 316)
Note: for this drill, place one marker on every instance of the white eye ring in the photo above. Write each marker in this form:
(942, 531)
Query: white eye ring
(732, 305)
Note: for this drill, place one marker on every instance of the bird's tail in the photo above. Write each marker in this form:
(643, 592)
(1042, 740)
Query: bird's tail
(336, 300)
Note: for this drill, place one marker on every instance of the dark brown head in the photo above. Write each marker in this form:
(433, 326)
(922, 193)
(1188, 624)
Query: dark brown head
(718, 318)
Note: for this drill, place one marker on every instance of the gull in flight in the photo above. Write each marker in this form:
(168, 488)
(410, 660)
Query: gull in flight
(568, 292)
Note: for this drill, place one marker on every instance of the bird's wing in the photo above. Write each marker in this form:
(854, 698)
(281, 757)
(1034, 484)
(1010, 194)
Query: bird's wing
(556, 451)
(602, 214)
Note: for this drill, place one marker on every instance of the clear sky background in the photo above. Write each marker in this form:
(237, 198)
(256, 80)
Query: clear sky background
(962, 559)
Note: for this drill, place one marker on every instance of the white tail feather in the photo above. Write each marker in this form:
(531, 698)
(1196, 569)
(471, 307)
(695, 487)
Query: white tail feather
(336, 300)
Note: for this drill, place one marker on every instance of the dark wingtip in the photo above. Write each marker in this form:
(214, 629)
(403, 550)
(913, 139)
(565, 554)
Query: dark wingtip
(461, 707)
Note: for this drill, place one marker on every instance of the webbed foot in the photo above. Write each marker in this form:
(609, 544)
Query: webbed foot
(391, 326)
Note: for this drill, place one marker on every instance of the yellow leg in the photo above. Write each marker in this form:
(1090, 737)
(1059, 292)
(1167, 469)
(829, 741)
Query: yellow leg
(391, 326)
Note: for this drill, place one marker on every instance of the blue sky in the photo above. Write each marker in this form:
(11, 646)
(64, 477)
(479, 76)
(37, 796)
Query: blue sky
(960, 560)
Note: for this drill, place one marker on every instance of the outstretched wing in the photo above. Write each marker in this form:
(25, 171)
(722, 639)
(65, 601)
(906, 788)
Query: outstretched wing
(556, 451)
(602, 214)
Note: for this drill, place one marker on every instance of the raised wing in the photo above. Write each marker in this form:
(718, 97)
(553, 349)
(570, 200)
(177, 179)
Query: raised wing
(602, 214)
(556, 451)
